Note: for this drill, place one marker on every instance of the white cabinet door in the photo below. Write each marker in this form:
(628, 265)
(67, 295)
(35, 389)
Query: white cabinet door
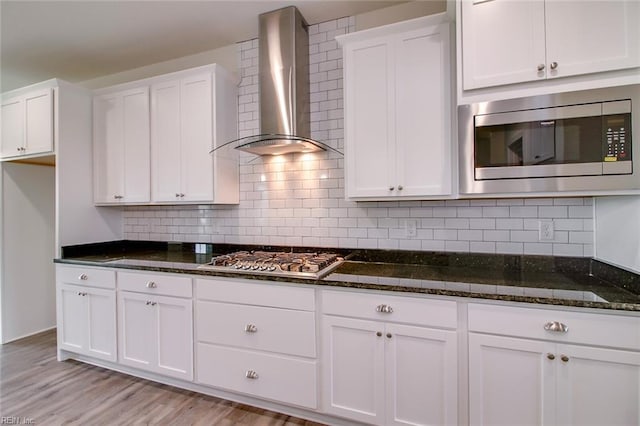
(592, 36)
(12, 125)
(182, 120)
(369, 118)
(422, 375)
(108, 148)
(422, 112)
(197, 138)
(72, 332)
(121, 146)
(27, 124)
(597, 386)
(166, 150)
(511, 381)
(174, 344)
(101, 324)
(353, 369)
(397, 114)
(136, 140)
(503, 42)
(38, 110)
(137, 330)
(88, 321)
(155, 333)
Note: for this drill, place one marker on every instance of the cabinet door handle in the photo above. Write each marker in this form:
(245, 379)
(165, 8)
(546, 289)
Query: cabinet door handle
(389, 335)
(177, 195)
(151, 284)
(551, 356)
(251, 374)
(564, 358)
(385, 309)
(83, 277)
(250, 328)
(379, 333)
(553, 65)
(399, 187)
(181, 195)
(556, 326)
(540, 67)
(391, 188)
(154, 303)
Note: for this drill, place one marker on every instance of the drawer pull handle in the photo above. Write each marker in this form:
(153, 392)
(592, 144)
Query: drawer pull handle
(564, 358)
(83, 277)
(556, 326)
(250, 328)
(250, 374)
(151, 284)
(551, 356)
(385, 309)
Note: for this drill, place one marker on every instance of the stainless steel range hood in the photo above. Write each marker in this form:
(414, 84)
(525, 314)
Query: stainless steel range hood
(284, 87)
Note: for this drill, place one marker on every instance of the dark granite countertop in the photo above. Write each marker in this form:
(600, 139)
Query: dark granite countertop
(578, 282)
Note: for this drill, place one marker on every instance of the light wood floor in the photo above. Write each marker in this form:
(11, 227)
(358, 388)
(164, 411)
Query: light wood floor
(34, 385)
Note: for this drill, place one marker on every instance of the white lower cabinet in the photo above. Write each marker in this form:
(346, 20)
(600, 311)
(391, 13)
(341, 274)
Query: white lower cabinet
(155, 332)
(374, 357)
(89, 321)
(381, 372)
(521, 380)
(257, 339)
(86, 313)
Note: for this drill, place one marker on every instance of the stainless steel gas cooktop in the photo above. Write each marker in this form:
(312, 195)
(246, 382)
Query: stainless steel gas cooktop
(287, 264)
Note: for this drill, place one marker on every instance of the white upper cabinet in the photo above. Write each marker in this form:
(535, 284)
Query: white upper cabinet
(185, 115)
(398, 94)
(121, 147)
(27, 124)
(506, 42)
(153, 137)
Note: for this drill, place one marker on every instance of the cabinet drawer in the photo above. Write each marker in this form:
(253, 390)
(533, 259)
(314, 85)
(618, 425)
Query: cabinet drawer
(161, 284)
(281, 379)
(429, 312)
(255, 327)
(81, 275)
(263, 293)
(581, 327)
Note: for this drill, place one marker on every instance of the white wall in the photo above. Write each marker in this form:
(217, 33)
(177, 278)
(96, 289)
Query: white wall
(79, 221)
(28, 221)
(225, 56)
(617, 224)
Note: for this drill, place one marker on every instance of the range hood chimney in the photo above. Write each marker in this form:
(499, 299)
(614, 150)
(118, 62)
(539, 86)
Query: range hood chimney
(284, 86)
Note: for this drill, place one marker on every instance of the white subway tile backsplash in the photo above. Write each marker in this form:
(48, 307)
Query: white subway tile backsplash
(300, 200)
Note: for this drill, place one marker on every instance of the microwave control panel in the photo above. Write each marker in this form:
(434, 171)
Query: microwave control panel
(617, 138)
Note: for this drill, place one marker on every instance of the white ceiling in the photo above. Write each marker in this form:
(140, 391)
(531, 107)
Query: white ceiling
(84, 39)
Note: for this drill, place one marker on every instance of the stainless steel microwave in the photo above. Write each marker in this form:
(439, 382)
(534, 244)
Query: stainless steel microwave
(580, 142)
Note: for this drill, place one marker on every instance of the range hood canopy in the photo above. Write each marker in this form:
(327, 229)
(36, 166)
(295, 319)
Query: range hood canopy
(284, 87)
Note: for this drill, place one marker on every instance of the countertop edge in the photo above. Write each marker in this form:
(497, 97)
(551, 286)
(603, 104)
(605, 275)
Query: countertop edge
(192, 269)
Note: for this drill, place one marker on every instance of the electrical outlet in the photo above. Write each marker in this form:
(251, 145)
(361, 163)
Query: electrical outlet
(411, 228)
(546, 231)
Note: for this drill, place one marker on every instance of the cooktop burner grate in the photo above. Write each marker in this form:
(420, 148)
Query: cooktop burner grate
(313, 265)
